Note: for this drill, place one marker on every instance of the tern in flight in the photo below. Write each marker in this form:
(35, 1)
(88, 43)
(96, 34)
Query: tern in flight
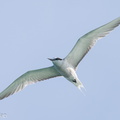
(62, 67)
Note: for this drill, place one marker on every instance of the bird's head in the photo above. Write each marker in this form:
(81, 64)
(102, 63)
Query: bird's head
(54, 59)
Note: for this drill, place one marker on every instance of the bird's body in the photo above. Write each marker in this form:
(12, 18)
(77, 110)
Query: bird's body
(68, 71)
(62, 67)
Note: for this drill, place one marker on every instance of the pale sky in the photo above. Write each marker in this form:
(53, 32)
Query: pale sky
(32, 31)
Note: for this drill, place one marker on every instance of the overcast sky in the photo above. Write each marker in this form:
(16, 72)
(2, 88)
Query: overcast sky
(32, 31)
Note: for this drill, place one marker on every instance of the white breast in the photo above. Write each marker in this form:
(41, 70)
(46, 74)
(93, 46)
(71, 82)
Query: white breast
(65, 69)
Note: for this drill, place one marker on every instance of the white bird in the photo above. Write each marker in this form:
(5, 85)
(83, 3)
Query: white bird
(62, 67)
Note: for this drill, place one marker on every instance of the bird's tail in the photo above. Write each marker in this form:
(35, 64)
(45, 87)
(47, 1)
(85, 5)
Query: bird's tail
(81, 87)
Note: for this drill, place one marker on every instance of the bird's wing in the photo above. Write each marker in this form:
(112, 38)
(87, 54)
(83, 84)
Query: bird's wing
(85, 43)
(29, 78)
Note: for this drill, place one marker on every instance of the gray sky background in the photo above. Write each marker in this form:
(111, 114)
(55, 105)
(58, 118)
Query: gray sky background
(32, 31)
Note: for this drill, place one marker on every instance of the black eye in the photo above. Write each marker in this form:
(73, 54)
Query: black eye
(58, 59)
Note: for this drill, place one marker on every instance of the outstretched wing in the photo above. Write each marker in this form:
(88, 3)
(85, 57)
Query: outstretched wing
(28, 78)
(85, 43)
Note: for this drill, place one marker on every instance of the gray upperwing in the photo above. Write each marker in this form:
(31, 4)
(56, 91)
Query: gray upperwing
(28, 78)
(85, 43)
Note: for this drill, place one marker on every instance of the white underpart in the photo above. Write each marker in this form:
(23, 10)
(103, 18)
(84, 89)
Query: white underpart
(66, 70)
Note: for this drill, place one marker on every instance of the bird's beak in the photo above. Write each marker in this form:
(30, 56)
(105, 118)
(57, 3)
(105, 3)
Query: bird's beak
(50, 59)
